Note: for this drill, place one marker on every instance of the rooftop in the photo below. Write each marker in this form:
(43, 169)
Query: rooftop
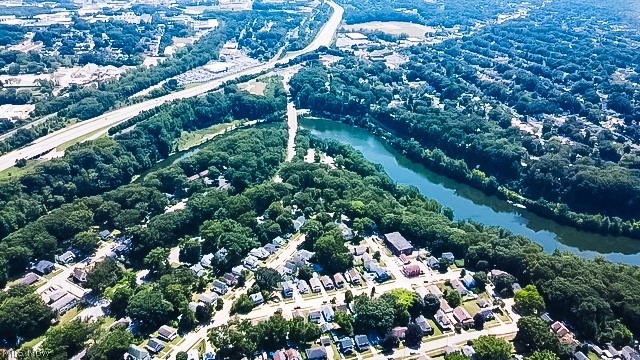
(398, 241)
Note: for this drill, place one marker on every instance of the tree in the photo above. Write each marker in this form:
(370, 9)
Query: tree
(242, 305)
(85, 242)
(190, 250)
(503, 284)
(348, 297)
(453, 298)
(267, 278)
(481, 280)
(301, 331)
(305, 272)
(120, 300)
(431, 305)
(491, 348)
(22, 314)
(413, 334)
(182, 356)
(104, 274)
(64, 341)
(331, 254)
(149, 307)
(543, 355)
(112, 345)
(157, 260)
(528, 301)
(478, 321)
(389, 342)
(533, 334)
(345, 321)
(457, 355)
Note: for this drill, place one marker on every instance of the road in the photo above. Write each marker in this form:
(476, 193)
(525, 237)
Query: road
(222, 316)
(324, 38)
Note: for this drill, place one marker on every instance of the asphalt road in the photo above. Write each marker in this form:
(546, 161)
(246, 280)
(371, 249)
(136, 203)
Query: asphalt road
(115, 117)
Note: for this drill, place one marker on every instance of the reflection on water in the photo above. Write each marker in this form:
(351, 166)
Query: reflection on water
(469, 203)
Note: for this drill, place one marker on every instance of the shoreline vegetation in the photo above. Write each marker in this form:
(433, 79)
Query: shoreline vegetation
(456, 169)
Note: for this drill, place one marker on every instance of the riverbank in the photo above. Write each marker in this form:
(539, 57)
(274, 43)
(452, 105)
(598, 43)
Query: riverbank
(470, 203)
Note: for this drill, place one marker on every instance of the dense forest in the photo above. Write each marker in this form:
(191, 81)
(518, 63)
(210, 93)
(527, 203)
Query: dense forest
(576, 169)
(93, 168)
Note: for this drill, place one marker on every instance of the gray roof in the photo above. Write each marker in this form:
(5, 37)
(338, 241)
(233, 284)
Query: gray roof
(257, 297)
(63, 302)
(42, 265)
(155, 345)
(166, 331)
(138, 353)
(316, 353)
(361, 340)
(580, 356)
(398, 241)
(29, 278)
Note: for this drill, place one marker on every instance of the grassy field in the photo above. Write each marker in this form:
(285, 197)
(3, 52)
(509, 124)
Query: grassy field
(194, 138)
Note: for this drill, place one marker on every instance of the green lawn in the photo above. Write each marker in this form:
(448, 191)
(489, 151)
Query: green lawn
(194, 138)
(471, 306)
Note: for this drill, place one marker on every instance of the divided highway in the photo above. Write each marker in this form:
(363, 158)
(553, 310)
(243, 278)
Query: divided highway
(115, 117)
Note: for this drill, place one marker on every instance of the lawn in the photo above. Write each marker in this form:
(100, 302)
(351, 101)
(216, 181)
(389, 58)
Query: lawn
(69, 315)
(15, 172)
(471, 307)
(194, 138)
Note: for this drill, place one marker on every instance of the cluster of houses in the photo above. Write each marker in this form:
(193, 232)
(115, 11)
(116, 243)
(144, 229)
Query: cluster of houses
(220, 181)
(154, 346)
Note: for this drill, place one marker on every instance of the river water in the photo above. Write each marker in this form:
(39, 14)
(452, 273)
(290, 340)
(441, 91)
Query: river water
(469, 203)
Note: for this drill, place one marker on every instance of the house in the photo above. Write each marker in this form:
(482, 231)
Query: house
(399, 331)
(66, 257)
(444, 306)
(326, 327)
(315, 316)
(580, 356)
(422, 322)
(44, 267)
(303, 287)
(259, 253)
(547, 318)
(411, 270)
(167, 333)
(366, 257)
(64, 304)
(449, 257)
(328, 313)
(404, 259)
(278, 241)
(326, 282)
(362, 342)
(298, 222)
(559, 329)
(487, 314)
(382, 274)
(345, 345)
(435, 290)
(105, 234)
(256, 298)
(628, 353)
(433, 263)
(137, 353)
(79, 274)
(482, 303)
(398, 244)
(442, 320)
(596, 349)
(238, 270)
(468, 281)
(155, 345)
(614, 352)
(346, 231)
(316, 286)
(353, 276)
(289, 268)
(206, 260)
(121, 249)
(270, 248)
(316, 353)
(339, 280)
(287, 289)
(462, 316)
(198, 270)
(495, 272)
(29, 279)
(302, 257)
(251, 262)
(208, 298)
(457, 286)
(359, 250)
(193, 306)
(220, 287)
(230, 279)
(325, 341)
(469, 351)
(289, 354)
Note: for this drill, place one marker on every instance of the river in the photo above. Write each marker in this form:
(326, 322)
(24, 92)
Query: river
(469, 203)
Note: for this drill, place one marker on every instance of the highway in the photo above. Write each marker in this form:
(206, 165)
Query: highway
(115, 117)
